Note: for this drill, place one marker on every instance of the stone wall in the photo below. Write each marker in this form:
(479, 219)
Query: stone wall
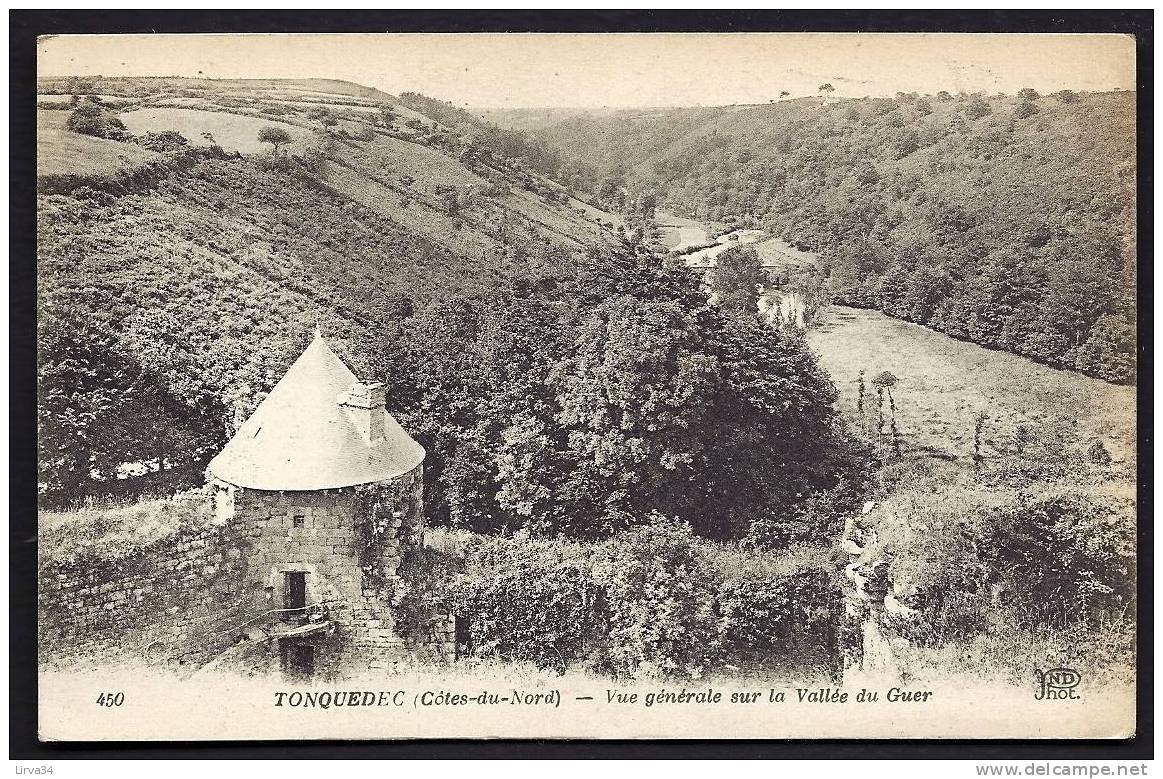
(163, 604)
(188, 599)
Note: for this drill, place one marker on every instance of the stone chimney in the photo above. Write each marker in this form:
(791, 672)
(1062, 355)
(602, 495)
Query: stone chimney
(364, 403)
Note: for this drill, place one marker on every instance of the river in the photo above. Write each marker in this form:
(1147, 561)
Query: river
(779, 306)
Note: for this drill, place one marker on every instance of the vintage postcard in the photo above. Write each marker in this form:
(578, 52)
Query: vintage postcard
(586, 386)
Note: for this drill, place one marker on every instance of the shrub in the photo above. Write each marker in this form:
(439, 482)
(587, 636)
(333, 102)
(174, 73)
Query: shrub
(1025, 109)
(765, 615)
(1070, 557)
(167, 140)
(89, 118)
(529, 600)
(974, 561)
(660, 593)
(651, 601)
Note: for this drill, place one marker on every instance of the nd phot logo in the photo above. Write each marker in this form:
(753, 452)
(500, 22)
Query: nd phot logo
(1057, 684)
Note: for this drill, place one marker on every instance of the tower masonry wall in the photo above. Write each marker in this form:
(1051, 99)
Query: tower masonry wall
(189, 598)
(349, 543)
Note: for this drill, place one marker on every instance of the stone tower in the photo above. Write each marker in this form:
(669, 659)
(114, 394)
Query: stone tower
(325, 488)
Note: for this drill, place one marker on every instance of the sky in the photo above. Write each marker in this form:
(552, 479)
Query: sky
(624, 70)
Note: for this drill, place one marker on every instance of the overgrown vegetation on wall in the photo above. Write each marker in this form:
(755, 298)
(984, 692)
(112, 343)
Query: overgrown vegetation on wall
(653, 601)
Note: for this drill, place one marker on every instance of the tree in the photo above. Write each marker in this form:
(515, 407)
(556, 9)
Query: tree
(317, 156)
(826, 89)
(647, 203)
(275, 136)
(323, 116)
(1028, 94)
(737, 280)
(1066, 96)
(585, 409)
(784, 94)
(101, 406)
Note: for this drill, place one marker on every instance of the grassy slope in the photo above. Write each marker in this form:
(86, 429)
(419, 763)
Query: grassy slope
(61, 151)
(944, 383)
(232, 132)
(394, 177)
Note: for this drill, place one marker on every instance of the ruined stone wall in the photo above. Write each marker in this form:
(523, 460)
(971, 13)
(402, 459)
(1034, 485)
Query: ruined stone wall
(187, 599)
(164, 604)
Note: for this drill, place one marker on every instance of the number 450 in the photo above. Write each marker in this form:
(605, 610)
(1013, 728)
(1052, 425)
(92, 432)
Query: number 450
(111, 699)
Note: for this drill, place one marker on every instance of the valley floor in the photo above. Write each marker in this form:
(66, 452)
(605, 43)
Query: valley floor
(945, 383)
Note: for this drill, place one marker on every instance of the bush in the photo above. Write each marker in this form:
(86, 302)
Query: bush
(1025, 561)
(651, 601)
(1070, 557)
(764, 615)
(1025, 109)
(165, 141)
(660, 596)
(89, 118)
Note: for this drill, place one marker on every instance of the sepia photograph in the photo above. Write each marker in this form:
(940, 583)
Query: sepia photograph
(586, 386)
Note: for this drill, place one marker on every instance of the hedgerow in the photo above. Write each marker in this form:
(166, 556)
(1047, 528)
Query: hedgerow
(652, 601)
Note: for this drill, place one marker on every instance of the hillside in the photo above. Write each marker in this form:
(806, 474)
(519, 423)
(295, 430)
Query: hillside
(59, 151)
(519, 337)
(1003, 220)
(205, 265)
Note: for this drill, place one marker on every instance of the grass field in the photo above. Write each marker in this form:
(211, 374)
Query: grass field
(944, 383)
(678, 232)
(776, 253)
(233, 132)
(59, 151)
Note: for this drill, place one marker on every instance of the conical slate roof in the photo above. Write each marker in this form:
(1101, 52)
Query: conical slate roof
(301, 438)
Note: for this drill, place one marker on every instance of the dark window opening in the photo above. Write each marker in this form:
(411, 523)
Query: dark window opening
(463, 636)
(296, 593)
(298, 660)
(299, 520)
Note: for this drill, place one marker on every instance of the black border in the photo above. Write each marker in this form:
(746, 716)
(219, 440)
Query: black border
(25, 26)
